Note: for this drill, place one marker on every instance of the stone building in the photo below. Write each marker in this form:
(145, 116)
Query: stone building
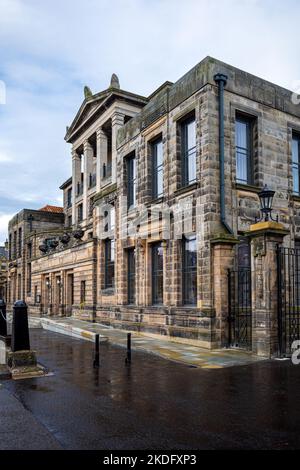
(3, 270)
(28, 231)
(160, 234)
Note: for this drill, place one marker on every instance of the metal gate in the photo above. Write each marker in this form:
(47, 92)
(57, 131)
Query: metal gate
(239, 308)
(288, 271)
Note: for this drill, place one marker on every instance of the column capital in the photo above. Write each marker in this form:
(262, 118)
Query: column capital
(100, 133)
(87, 146)
(117, 118)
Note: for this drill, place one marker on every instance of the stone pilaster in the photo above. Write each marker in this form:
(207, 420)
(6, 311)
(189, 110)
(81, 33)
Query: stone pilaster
(76, 178)
(265, 237)
(88, 168)
(117, 121)
(101, 156)
(223, 260)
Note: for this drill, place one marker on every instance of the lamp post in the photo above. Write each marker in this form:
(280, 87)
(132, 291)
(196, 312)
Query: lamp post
(266, 196)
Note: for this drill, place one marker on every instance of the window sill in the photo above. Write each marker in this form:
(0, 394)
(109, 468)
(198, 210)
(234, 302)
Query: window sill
(186, 189)
(157, 200)
(108, 291)
(248, 187)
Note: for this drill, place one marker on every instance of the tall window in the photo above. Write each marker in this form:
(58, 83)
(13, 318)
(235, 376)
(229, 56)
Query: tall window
(157, 273)
(10, 247)
(131, 275)
(131, 181)
(20, 241)
(296, 163)
(82, 292)
(243, 149)
(80, 213)
(69, 197)
(188, 151)
(157, 168)
(28, 278)
(109, 280)
(190, 270)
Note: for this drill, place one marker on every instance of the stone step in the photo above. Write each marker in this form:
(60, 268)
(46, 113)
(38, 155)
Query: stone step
(58, 326)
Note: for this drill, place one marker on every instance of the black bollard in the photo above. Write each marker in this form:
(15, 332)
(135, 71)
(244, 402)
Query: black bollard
(97, 352)
(3, 324)
(128, 358)
(20, 330)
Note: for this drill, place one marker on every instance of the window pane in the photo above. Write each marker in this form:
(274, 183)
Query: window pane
(192, 167)
(190, 271)
(157, 274)
(191, 135)
(159, 184)
(241, 134)
(295, 150)
(159, 153)
(241, 170)
(296, 179)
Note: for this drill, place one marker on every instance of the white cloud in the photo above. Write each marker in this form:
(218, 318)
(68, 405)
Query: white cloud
(49, 50)
(4, 219)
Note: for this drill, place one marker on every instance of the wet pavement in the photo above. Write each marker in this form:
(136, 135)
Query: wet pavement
(155, 403)
(160, 345)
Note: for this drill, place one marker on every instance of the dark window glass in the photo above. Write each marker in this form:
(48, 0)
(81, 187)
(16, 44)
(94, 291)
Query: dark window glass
(190, 270)
(131, 181)
(20, 242)
(80, 212)
(109, 264)
(188, 152)
(243, 148)
(296, 163)
(244, 273)
(28, 278)
(244, 260)
(131, 275)
(69, 197)
(157, 273)
(157, 168)
(82, 292)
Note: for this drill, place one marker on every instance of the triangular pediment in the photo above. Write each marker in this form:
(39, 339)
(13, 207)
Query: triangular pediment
(86, 110)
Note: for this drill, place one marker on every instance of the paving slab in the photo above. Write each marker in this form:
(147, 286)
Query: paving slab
(161, 346)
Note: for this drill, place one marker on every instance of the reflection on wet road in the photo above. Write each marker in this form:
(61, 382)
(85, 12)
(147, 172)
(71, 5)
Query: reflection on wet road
(157, 404)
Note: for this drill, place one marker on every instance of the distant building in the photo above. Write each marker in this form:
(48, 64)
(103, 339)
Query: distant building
(27, 230)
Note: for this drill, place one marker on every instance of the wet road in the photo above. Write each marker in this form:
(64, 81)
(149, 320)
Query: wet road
(157, 404)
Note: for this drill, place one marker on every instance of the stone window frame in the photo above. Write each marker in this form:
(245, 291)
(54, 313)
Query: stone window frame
(149, 163)
(185, 116)
(257, 155)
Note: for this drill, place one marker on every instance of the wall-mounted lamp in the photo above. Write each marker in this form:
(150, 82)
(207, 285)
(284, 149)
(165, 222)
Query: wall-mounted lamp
(266, 196)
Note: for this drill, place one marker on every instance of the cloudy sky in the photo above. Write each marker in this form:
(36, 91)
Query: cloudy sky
(50, 49)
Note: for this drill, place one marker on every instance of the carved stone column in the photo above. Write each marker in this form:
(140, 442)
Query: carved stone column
(117, 121)
(76, 178)
(101, 156)
(88, 168)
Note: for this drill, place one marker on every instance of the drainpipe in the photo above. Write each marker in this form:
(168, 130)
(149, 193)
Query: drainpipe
(221, 80)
